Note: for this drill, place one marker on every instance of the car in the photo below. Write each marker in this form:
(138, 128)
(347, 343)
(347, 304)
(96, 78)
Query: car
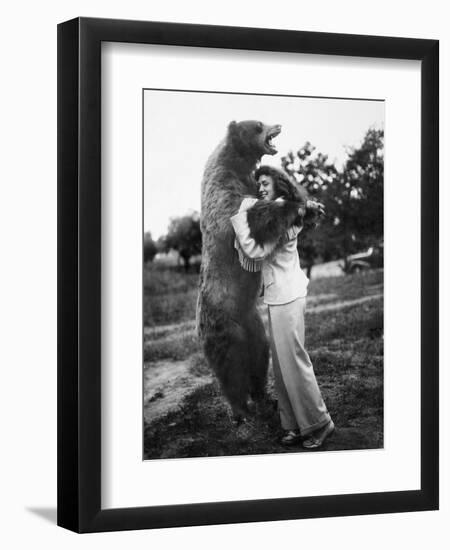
(369, 259)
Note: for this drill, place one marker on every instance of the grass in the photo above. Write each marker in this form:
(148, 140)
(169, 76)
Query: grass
(345, 343)
(175, 347)
(170, 295)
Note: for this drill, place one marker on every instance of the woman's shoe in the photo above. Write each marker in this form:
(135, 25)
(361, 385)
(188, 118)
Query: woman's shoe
(314, 441)
(292, 437)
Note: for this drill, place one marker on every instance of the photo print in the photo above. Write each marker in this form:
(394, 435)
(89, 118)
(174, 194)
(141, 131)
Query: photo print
(262, 274)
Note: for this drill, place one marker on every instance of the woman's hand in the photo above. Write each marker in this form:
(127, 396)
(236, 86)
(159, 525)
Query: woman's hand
(301, 211)
(315, 207)
(314, 211)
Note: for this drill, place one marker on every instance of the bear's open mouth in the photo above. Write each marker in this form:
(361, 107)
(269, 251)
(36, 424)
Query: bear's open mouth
(271, 134)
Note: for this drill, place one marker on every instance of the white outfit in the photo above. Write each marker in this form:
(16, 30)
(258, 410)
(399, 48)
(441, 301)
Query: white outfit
(283, 278)
(285, 287)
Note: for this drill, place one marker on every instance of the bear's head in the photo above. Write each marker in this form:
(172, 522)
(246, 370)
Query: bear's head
(252, 138)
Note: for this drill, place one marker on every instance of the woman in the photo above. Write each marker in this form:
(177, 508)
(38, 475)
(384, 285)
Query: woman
(302, 410)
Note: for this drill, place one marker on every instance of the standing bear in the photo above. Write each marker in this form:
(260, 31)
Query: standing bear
(228, 323)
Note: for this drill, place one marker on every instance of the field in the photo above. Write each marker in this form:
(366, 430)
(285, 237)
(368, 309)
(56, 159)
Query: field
(185, 414)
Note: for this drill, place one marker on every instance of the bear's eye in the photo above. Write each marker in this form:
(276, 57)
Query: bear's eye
(259, 127)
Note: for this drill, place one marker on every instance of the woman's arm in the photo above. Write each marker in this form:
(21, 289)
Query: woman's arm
(247, 243)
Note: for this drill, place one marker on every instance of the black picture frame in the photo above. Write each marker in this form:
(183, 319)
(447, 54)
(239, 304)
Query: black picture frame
(79, 274)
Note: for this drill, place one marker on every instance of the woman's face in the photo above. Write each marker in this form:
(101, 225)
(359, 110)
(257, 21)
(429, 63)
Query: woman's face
(266, 187)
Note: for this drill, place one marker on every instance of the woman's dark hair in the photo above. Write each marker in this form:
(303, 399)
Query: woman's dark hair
(282, 184)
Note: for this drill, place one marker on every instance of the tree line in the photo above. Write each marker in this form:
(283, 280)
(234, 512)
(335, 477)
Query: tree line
(352, 195)
(183, 235)
(353, 198)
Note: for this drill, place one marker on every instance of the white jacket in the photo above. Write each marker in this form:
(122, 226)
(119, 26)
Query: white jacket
(284, 280)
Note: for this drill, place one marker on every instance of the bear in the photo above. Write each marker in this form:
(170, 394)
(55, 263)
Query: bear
(228, 323)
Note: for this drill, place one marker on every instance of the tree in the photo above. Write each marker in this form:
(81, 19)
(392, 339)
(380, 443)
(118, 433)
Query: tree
(161, 245)
(353, 197)
(185, 237)
(356, 196)
(150, 249)
(363, 174)
(316, 173)
(311, 170)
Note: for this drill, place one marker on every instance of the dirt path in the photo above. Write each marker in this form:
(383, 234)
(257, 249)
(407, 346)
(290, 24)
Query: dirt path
(155, 333)
(167, 383)
(343, 303)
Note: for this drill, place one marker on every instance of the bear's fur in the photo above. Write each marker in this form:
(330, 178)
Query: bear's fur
(268, 220)
(228, 323)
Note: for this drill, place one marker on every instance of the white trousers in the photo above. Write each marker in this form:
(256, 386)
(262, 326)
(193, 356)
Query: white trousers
(300, 402)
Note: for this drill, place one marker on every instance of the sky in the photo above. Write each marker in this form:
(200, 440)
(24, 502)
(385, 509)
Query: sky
(181, 129)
